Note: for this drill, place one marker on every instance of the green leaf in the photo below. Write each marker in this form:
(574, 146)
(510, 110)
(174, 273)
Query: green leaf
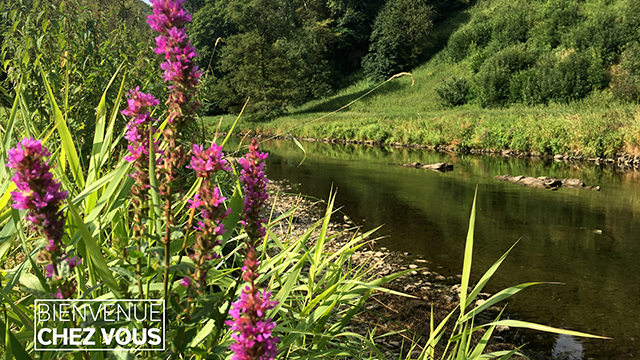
(98, 143)
(126, 273)
(109, 192)
(155, 213)
(10, 123)
(480, 346)
(533, 326)
(236, 205)
(121, 354)
(109, 144)
(295, 141)
(496, 298)
(8, 354)
(67, 141)
(15, 214)
(203, 333)
(17, 350)
(94, 252)
(504, 354)
(487, 275)
(28, 323)
(7, 195)
(234, 125)
(468, 255)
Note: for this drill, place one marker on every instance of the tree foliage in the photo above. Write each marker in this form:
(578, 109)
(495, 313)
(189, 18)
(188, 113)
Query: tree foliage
(571, 48)
(78, 47)
(400, 34)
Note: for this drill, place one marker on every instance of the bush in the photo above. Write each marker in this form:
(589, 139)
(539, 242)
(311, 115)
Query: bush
(625, 84)
(474, 36)
(493, 79)
(566, 76)
(454, 92)
(400, 35)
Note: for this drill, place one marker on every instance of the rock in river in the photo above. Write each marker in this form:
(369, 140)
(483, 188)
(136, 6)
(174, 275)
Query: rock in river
(440, 167)
(545, 182)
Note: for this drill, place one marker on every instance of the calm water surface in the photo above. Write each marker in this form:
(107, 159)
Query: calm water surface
(585, 239)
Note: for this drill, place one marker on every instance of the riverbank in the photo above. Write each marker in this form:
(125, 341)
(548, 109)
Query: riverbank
(404, 112)
(383, 313)
(617, 161)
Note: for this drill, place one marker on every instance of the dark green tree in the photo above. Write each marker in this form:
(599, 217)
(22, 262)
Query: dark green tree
(400, 34)
(273, 52)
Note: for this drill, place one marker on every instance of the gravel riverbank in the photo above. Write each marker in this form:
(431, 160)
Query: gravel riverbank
(385, 312)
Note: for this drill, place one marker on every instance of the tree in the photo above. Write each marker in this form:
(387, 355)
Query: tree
(275, 53)
(400, 34)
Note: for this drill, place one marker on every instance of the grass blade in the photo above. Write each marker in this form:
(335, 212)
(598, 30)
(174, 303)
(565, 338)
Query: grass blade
(94, 253)
(10, 123)
(534, 326)
(487, 275)
(65, 135)
(295, 141)
(98, 143)
(468, 255)
(496, 298)
(226, 138)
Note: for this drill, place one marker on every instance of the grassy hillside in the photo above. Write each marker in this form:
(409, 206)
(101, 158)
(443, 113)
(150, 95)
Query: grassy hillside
(566, 105)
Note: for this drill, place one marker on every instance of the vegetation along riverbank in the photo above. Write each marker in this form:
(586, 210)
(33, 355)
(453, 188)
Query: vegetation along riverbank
(555, 77)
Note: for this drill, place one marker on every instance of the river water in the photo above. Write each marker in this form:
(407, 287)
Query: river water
(584, 239)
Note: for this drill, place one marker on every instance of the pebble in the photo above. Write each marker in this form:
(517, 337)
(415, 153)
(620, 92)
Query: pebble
(412, 266)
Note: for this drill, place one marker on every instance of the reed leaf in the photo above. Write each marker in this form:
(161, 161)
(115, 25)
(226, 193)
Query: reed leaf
(68, 146)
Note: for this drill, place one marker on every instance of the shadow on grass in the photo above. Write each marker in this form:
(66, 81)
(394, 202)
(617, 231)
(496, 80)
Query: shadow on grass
(442, 32)
(336, 103)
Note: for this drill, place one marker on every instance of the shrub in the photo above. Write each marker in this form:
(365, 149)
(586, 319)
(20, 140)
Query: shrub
(511, 23)
(454, 91)
(399, 36)
(625, 84)
(492, 81)
(565, 76)
(525, 87)
(474, 36)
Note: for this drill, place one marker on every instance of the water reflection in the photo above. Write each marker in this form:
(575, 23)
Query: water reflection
(567, 348)
(584, 239)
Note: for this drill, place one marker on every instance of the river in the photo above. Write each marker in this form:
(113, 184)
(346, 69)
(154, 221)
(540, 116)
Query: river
(584, 239)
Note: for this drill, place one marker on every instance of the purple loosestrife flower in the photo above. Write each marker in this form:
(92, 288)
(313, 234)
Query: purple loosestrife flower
(253, 337)
(206, 162)
(140, 124)
(39, 194)
(254, 182)
(139, 129)
(169, 19)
